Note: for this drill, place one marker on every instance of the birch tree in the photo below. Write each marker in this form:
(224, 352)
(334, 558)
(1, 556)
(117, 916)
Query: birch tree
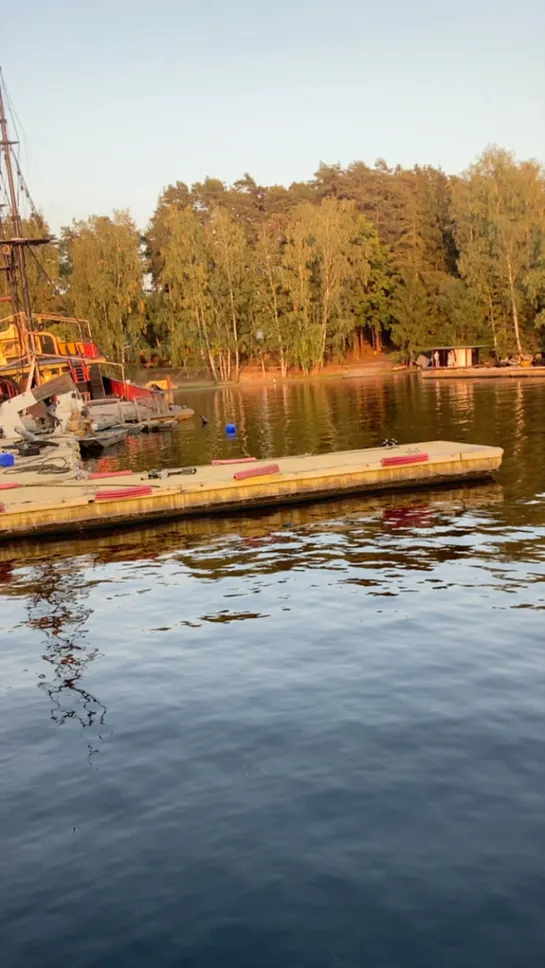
(498, 213)
(105, 279)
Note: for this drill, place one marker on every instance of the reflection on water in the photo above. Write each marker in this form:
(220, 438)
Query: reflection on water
(342, 414)
(320, 730)
(149, 543)
(55, 601)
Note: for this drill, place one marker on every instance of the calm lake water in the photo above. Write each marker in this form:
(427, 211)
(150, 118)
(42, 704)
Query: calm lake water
(304, 739)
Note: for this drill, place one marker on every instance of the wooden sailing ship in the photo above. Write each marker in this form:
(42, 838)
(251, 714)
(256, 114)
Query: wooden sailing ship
(31, 352)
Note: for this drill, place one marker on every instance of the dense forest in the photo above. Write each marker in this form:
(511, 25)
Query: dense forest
(296, 277)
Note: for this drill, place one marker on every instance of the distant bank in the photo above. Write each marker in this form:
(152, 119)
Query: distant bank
(255, 376)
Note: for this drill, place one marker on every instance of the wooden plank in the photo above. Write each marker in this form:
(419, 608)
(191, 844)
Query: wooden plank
(60, 384)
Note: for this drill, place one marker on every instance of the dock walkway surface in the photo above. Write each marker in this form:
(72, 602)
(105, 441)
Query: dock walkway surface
(34, 503)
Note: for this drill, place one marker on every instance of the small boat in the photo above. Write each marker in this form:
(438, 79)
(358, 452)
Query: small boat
(92, 445)
(110, 411)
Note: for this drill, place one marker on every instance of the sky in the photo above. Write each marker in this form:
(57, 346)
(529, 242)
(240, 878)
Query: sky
(118, 99)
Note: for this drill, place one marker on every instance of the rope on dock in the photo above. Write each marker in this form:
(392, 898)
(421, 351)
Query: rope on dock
(45, 466)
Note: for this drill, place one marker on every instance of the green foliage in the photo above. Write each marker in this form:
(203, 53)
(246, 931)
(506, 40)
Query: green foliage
(372, 284)
(42, 269)
(406, 257)
(174, 198)
(296, 277)
(104, 273)
(534, 284)
(271, 305)
(412, 316)
(499, 214)
(460, 313)
(206, 283)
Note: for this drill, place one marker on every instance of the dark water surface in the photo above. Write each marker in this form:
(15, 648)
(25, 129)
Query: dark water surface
(306, 739)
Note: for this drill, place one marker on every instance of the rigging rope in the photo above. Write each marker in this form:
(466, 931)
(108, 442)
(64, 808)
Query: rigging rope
(47, 465)
(42, 269)
(22, 142)
(13, 114)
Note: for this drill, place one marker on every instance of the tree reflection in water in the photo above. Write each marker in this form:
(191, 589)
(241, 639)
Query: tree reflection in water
(56, 608)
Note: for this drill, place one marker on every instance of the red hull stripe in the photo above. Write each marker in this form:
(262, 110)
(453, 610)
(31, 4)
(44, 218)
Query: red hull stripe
(129, 391)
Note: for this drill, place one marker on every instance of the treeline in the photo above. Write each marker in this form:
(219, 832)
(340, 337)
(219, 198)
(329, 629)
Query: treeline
(296, 277)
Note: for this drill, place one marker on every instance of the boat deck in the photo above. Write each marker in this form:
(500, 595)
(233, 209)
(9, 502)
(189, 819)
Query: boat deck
(66, 504)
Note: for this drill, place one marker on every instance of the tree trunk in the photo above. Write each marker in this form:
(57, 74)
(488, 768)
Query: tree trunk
(514, 305)
(207, 341)
(277, 321)
(233, 320)
(493, 323)
(325, 320)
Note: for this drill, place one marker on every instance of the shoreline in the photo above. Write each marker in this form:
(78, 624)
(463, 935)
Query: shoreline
(257, 379)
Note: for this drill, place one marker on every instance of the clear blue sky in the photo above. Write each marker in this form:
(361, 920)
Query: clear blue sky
(117, 98)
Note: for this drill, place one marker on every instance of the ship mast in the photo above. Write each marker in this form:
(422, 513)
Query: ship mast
(14, 248)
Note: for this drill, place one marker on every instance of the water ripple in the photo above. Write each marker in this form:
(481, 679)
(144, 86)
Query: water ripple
(307, 738)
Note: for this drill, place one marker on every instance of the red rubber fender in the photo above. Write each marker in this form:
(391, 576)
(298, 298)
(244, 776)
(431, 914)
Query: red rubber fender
(233, 460)
(99, 474)
(118, 493)
(404, 459)
(257, 472)
(8, 487)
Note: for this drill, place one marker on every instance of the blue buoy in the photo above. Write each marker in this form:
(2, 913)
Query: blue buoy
(7, 460)
(230, 429)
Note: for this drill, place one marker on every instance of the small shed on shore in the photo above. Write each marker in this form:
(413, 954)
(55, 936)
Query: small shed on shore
(455, 356)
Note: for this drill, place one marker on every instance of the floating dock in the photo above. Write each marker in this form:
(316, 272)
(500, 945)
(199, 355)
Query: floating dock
(34, 504)
(482, 372)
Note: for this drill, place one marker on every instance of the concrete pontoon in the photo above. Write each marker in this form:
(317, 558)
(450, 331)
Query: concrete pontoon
(35, 505)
